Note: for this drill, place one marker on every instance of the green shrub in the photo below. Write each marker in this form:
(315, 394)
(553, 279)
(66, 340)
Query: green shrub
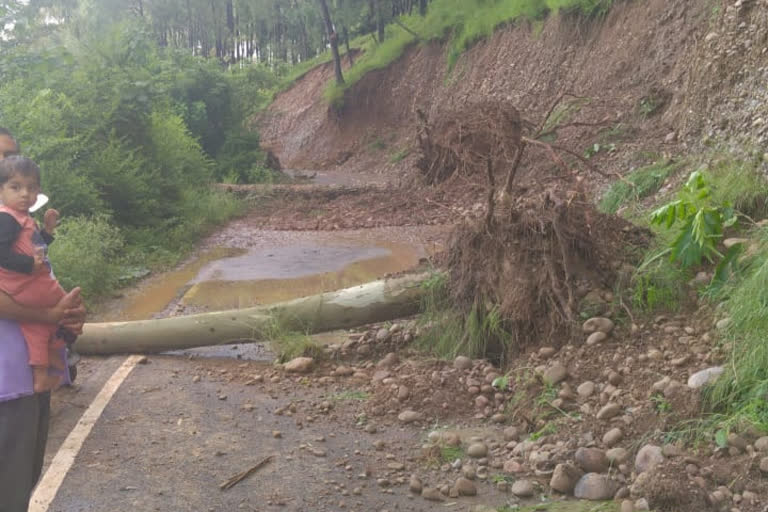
(637, 185)
(85, 254)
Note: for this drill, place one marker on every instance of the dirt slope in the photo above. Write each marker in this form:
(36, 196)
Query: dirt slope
(634, 66)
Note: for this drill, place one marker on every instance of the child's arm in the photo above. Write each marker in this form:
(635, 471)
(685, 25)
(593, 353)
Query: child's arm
(50, 221)
(10, 260)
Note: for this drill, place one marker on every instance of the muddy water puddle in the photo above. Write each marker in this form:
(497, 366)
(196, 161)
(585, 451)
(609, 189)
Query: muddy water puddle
(244, 268)
(265, 276)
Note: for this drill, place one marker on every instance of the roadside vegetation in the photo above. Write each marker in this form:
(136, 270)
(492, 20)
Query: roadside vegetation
(462, 22)
(719, 198)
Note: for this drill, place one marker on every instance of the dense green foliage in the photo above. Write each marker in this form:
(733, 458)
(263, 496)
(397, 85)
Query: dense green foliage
(129, 137)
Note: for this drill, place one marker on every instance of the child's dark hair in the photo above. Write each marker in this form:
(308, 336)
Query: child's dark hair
(4, 132)
(21, 165)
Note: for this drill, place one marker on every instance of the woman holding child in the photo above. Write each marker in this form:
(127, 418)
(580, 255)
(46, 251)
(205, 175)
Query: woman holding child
(35, 313)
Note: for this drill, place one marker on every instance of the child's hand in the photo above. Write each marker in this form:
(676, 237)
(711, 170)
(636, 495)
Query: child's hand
(39, 258)
(50, 220)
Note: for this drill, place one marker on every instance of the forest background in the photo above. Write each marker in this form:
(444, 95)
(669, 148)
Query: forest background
(133, 108)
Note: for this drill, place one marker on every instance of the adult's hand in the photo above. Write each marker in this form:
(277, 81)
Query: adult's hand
(71, 312)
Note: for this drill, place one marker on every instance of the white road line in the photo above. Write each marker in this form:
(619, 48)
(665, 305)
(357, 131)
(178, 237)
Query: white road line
(65, 457)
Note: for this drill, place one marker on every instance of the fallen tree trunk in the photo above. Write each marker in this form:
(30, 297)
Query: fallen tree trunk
(377, 301)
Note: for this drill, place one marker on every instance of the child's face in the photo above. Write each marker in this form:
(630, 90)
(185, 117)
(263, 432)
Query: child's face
(19, 192)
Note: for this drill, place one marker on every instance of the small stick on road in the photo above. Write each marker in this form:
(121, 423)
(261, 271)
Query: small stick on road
(245, 474)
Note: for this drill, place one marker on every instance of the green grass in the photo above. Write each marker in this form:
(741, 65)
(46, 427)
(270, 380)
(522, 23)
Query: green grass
(462, 22)
(352, 394)
(399, 156)
(740, 183)
(451, 453)
(450, 332)
(741, 395)
(289, 344)
(638, 185)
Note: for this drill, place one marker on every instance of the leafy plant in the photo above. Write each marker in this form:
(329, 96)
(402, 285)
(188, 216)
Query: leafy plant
(597, 148)
(701, 222)
(660, 403)
(721, 438)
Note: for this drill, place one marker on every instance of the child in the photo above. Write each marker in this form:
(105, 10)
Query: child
(25, 273)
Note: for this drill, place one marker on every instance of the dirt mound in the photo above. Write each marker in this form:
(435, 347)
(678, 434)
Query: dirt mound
(481, 134)
(536, 259)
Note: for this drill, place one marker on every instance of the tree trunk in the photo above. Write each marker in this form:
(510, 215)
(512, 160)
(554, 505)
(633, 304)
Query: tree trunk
(378, 301)
(423, 7)
(379, 20)
(346, 43)
(334, 39)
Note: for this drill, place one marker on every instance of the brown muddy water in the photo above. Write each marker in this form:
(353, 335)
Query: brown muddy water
(251, 268)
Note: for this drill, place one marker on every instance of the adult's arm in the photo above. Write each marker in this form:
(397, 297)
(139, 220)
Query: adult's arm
(69, 312)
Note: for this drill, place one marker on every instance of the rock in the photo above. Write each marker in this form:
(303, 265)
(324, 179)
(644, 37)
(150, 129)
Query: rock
(462, 363)
(477, 450)
(764, 464)
(595, 487)
(142, 360)
(642, 504)
(431, 494)
(592, 460)
(608, 411)
(388, 361)
(597, 324)
(380, 375)
(627, 506)
(617, 456)
(469, 471)
(403, 393)
(710, 37)
(565, 477)
(612, 437)
(704, 377)
(523, 488)
(614, 378)
(409, 416)
(299, 365)
(761, 444)
(648, 458)
(512, 434)
(383, 335)
(343, 371)
(596, 337)
(547, 352)
(722, 324)
(555, 374)
(736, 441)
(670, 138)
(512, 466)
(414, 485)
(465, 487)
(586, 389)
